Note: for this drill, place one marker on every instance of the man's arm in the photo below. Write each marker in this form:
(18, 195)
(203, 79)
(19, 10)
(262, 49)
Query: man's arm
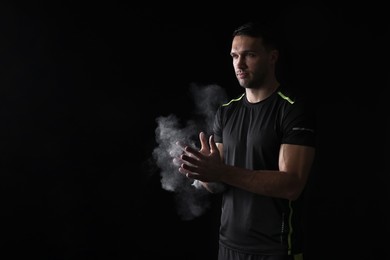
(295, 162)
(288, 182)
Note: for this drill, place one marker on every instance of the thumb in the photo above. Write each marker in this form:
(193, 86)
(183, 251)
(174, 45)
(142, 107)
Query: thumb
(213, 145)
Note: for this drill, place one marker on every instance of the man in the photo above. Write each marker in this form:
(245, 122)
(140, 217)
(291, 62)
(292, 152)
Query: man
(262, 150)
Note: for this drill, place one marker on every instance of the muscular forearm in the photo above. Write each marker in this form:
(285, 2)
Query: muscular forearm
(268, 183)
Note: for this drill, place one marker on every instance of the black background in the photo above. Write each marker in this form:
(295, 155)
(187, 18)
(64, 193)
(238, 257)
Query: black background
(82, 84)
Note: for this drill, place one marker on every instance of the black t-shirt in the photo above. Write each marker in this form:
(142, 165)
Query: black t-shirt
(251, 134)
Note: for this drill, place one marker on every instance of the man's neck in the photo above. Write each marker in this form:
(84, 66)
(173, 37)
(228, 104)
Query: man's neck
(255, 95)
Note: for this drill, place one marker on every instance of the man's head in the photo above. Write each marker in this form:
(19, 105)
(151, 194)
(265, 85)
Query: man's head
(255, 51)
(268, 34)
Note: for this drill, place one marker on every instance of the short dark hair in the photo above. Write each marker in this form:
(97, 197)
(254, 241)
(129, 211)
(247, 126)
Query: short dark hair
(264, 31)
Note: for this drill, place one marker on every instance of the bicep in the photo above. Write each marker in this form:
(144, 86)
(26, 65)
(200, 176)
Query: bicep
(296, 159)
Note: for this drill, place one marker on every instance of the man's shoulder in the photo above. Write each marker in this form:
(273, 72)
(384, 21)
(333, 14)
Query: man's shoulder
(233, 101)
(292, 93)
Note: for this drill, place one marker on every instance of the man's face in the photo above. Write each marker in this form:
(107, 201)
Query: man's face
(252, 63)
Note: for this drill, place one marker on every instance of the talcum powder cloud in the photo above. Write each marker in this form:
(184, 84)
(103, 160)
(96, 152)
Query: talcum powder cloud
(191, 202)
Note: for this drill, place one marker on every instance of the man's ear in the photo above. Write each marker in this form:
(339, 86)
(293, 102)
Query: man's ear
(274, 55)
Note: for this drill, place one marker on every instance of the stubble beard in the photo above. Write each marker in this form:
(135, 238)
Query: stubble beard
(252, 84)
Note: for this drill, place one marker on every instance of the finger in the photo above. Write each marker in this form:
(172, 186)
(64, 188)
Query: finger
(184, 171)
(195, 176)
(190, 175)
(193, 152)
(190, 167)
(203, 142)
(190, 172)
(177, 161)
(213, 145)
(189, 160)
(187, 149)
(187, 170)
(180, 144)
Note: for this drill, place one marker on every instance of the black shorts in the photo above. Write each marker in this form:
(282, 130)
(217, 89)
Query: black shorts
(225, 253)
